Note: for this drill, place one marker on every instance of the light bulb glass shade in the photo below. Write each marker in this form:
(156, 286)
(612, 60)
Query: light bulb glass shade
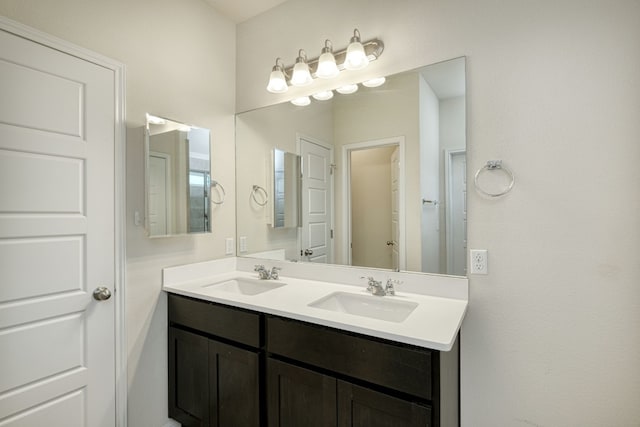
(356, 58)
(327, 68)
(301, 75)
(302, 101)
(379, 81)
(347, 89)
(323, 96)
(277, 82)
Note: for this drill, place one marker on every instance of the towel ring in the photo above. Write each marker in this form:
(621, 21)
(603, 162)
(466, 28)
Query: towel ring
(223, 194)
(490, 166)
(265, 196)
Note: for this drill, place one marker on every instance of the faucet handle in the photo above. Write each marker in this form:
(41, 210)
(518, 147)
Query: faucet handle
(390, 287)
(274, 272)
(258, 267)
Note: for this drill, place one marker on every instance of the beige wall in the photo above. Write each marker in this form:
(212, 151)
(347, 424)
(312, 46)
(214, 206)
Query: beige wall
(551, 336)
(179, 59)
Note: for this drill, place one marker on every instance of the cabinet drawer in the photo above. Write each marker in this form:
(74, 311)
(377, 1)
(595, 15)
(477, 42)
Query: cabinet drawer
(215, 319)
(398, 367)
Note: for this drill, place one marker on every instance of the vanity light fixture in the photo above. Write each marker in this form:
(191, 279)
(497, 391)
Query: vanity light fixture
(278, 79)
(379, 81)
(347, 89)
(301, 75)
(327, 67)
(302, 101)
(356, 58)
(323, 96)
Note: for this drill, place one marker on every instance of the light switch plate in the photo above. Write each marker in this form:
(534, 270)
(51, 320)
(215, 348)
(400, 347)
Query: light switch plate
(228, 245)
(243, 244)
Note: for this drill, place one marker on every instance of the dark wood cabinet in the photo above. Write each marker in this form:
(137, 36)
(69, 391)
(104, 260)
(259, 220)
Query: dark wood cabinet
(231, 367)
(363, 407)
(211, 382)
(188, 378)
(234, 386)
(299, 397)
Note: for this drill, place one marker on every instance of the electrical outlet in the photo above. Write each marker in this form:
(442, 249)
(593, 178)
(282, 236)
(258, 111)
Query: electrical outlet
(229, 245)
(479, 261)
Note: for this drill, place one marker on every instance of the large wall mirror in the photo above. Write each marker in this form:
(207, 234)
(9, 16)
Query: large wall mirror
(383, 175)
(177, 178)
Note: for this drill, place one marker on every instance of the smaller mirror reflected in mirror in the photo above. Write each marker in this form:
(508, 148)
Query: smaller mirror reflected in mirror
(177, 178)
(286, 189)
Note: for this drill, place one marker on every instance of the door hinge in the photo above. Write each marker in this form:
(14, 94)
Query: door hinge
(331, 233)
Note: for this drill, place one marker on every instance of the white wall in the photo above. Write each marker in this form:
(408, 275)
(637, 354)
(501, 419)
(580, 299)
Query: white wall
(180, 60)
(258, 132)
(452, 137)
(429, 123)
(551, 337)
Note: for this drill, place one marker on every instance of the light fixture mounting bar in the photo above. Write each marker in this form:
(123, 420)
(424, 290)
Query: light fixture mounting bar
(373, 48)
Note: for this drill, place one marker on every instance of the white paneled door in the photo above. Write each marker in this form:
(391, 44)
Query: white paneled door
(315, 234)
(57, 238)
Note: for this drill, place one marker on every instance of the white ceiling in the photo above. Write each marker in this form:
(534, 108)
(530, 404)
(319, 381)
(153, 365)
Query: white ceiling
(241, 10)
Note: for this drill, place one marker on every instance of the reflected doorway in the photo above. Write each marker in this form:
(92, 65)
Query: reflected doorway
(374, 198)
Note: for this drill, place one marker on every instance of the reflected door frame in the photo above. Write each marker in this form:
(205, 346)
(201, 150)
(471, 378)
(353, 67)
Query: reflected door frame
(450, 155)
(398, 141)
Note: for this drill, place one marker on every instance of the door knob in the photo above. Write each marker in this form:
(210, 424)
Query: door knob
(101, 293)
(390, 243)
(308, 252)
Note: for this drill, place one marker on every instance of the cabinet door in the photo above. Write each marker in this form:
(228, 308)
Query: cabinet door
(299, 397)
(362, 407)
(188, 378)
(234, 386)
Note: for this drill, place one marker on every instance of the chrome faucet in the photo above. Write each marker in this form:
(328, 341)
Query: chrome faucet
(374, 286)
(265, 274)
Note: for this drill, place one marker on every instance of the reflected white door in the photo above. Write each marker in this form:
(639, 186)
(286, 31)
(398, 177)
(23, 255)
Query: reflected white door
(457, 214)
(315, 234)
(57, 238)
(158, 194)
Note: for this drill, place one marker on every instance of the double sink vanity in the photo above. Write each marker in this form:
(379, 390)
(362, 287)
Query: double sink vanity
(320, 345)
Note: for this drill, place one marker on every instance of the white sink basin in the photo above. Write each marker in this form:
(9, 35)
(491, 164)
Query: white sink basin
(246, 286)
(375, 307)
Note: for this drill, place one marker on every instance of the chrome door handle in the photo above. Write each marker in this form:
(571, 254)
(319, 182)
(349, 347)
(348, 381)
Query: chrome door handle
(390, 243)
(308, 252)
(101, 293)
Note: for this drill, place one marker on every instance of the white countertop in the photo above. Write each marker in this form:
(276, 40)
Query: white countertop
(433, 324)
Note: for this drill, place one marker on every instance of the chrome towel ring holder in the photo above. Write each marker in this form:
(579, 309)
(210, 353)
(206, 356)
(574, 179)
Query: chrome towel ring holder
(491, 166)
(263, 195)
(221, 192)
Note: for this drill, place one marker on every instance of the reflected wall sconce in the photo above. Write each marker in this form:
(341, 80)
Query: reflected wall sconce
(328, 65)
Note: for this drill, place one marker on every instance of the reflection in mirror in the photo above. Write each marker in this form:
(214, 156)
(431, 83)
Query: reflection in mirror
(383, 175)
(286, 189)
(178, 178)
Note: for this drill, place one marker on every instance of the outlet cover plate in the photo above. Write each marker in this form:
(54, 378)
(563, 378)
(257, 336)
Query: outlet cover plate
(479, 260)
